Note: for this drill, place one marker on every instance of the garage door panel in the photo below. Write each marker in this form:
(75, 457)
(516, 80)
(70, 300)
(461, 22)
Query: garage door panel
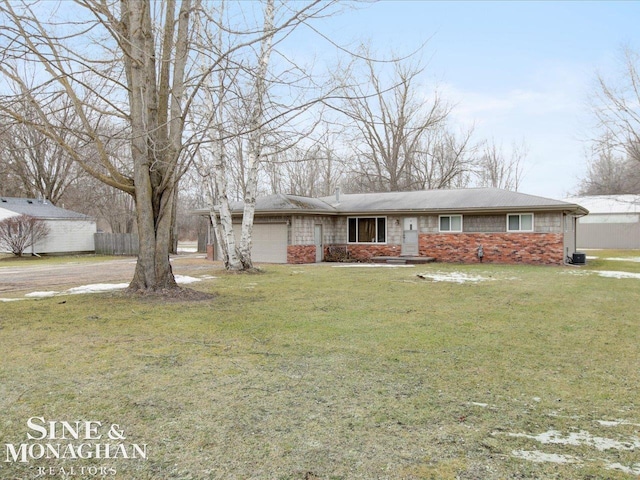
(269, 242)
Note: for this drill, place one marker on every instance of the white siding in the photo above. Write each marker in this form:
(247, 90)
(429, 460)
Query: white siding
(4, 214)
(66, 236)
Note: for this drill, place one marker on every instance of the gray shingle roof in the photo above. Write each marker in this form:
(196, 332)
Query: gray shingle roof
(38, 208)
(459, 200)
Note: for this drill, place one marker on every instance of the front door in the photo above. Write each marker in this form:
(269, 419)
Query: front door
(317, 235)
(410, 237)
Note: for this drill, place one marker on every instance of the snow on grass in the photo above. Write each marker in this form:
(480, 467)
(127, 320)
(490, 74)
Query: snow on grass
(542, 457)
(616, 274)
(633, 470)
(373, 265)
(624, 259)
(603, 273)
(42, 294)
(184, 279)
(536, 456)
(102, 287)
(454, 277)
(616, 423)
(95, 288)
(581, 438)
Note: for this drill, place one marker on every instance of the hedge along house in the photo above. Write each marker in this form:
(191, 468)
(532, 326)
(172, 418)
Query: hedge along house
(69, 232)
(448, 225)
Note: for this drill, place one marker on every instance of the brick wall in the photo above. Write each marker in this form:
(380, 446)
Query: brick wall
(530, 248)
(301, 254)
(364, 252)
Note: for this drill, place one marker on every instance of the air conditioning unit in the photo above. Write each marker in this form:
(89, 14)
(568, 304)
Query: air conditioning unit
(579, 258)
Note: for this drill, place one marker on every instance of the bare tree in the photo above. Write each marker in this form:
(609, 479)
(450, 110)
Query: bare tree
(249, 123)
(391, 124)
(444, 160)
(610, 172)
(21, 232)
(497, 169)
(256, 135)
(134, 74)
(615, 153)
(43, 168)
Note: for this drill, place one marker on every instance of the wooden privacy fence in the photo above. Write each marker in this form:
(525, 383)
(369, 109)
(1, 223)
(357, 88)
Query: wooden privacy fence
(116, 243)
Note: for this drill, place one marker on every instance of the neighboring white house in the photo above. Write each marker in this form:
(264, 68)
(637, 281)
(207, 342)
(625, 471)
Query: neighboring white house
(613, 221)
(69, 232)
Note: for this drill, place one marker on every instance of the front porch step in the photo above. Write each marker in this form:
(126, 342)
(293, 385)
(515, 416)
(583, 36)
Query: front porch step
(403, 260)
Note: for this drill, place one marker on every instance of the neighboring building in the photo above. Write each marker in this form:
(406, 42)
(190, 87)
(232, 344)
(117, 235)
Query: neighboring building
(449, 225)
(613, 221)
(69, 232)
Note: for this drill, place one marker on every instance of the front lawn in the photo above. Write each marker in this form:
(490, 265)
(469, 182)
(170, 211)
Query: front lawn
(319, 371)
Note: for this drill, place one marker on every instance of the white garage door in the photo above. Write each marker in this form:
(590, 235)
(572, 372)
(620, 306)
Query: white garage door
(269, 242)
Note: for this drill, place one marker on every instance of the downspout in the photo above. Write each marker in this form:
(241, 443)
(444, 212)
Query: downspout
(575, 235)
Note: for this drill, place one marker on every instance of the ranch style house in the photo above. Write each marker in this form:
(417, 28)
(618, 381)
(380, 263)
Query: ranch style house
(458, 225)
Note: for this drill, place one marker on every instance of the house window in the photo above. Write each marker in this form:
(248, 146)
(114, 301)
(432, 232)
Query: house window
(367, 230)
(450, 223)
(520, 222)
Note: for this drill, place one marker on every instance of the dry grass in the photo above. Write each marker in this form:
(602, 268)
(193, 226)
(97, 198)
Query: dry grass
(339, 373)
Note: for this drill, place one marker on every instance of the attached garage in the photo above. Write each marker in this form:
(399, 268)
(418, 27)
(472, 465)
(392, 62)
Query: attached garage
(269, 242)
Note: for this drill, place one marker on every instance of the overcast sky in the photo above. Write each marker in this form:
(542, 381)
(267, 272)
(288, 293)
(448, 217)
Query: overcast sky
(516, 70)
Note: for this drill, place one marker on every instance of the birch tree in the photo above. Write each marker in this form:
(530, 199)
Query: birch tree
(256, 135)
(249, 118)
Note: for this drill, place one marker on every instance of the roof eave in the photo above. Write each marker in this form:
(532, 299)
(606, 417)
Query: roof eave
(474, 210)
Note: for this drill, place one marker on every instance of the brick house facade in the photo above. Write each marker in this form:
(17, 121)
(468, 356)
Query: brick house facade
(450, 226)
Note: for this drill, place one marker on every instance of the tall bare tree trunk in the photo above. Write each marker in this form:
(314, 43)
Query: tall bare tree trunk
(156, 134)
(256, 137)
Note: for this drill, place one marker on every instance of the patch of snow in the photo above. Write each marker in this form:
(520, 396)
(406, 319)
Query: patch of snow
(536, 456)
(581, 438)
(603, 273)
(616, 423)
(454, 277)
(96, 288)
(10, 299)
(627, 259)
(184, 279)
(615, 274)
(578, 273)
(207, 277)
(478, 404)
(42, 294)
(372, 265)
(633, 470)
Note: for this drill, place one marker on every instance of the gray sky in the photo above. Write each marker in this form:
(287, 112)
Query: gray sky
(516, 70)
